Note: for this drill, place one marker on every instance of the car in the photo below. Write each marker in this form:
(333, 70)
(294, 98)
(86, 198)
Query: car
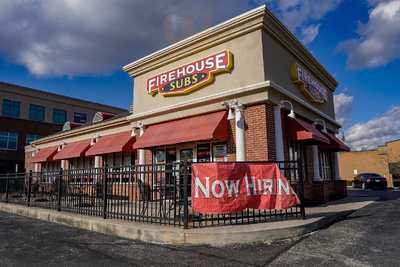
(369, 181)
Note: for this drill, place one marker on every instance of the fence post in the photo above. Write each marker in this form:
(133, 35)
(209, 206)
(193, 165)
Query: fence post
(301, 188)
(29, 187)
(105, 178)
(185, 197)
(59, 190)
(7, 185)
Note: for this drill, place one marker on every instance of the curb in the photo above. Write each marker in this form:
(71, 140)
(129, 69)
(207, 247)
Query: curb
(160, 234)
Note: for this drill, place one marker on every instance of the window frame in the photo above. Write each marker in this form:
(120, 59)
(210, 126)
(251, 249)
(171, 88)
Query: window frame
(10, 106)
(78, 114)
(57, 110)
(36, 108)
(7, 148)
(37, 136)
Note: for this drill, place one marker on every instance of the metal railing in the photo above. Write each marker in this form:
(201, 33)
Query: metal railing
(159, 193)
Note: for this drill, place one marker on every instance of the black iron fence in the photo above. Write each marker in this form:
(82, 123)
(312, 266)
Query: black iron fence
(158, 193)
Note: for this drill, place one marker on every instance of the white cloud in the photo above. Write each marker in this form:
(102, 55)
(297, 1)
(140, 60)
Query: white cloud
(343, 106)
(74, 37)
(299, 13)
(309, 33)
(376, 131)
(379, 39)
(302, 17)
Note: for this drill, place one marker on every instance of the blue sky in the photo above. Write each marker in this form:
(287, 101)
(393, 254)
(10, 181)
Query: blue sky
(81, 55)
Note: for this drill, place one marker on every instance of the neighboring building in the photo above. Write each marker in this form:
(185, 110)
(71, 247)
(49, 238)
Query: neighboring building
(244, 90)
(384, 160)
(27, 114)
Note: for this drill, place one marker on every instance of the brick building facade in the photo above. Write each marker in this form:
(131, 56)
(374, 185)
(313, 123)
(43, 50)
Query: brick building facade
(28, 114)
(244, 90)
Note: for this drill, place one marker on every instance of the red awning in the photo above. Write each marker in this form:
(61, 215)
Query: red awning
(73, 150)
(304, 131)
(120, 142)
(212, 126)
(336, 144)
(45, 154)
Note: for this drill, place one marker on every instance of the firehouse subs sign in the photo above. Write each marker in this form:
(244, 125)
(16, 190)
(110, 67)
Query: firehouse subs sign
(192, 76)
(308, 84)
(232, 187)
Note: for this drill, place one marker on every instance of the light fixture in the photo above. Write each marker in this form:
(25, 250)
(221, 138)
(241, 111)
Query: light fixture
(322, 123)
(231, 105)
(291, 114)
(231, 114)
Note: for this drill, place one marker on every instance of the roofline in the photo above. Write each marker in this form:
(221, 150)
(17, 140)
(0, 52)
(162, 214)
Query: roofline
(261, 11)
(62, 96)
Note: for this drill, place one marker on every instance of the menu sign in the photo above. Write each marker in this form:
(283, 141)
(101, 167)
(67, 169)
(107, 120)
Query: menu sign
(192, 76)
(308, 84)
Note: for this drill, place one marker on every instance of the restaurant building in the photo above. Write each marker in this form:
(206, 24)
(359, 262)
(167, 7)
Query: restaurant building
(244, 90)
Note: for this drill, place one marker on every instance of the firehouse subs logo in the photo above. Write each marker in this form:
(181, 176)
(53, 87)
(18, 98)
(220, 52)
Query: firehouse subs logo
(192, 76)
(308, 84)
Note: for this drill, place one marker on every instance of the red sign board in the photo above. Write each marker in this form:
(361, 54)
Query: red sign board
(232, 187)
(192, 76)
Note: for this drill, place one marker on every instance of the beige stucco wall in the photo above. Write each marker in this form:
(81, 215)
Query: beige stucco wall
(277, 63)
(248, 69)
(362, 161)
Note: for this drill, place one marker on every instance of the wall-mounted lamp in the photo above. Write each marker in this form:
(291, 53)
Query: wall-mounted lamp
(232, 106)
(231, 114)
(322, 123)
(291, 114)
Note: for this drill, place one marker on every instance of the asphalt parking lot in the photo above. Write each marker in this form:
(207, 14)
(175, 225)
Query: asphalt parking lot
(367, 237)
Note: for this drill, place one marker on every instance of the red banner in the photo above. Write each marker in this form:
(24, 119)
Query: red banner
(231, 187)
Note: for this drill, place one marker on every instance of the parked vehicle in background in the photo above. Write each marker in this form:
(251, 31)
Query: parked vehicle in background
(369, 181)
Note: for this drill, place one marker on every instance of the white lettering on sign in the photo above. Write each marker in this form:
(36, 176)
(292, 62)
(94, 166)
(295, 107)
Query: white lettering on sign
(308, 84)
(231, 187)
(192, 76)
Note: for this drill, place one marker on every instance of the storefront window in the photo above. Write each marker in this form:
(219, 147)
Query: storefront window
(297, 152)
(203, 153)
(160, 156)
(186, 154)
(220, 152)
(326, 165)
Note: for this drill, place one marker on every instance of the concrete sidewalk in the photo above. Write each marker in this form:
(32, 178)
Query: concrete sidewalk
(317, 217)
